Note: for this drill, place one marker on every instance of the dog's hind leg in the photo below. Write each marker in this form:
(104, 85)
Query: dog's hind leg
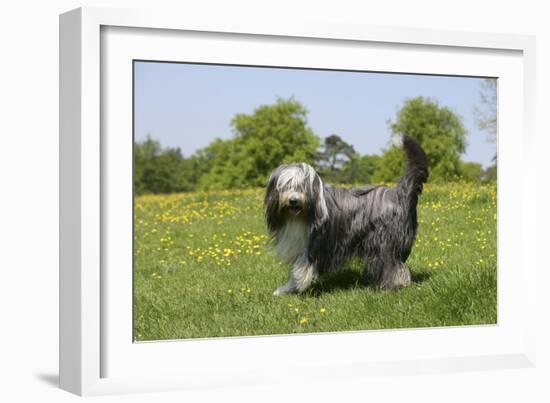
(302, 274)
(395, 275)
(388, 273)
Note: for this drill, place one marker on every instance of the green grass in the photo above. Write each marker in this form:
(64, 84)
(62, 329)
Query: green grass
(203, 269)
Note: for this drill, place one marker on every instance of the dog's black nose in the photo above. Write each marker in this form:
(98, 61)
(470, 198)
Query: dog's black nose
(292, 200)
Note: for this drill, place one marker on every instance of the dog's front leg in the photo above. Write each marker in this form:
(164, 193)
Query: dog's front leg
(301, 276)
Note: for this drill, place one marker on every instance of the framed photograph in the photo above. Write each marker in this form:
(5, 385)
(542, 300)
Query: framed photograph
(247, 203)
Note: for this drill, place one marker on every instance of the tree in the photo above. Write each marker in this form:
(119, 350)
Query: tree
(490, 174)
(439, 130)
(471, 171)
(162, 170)
(333, 157)
(359, 169)
(486, 118)
(145, 154)
(335, 152)
(391, 166)
(272, 135)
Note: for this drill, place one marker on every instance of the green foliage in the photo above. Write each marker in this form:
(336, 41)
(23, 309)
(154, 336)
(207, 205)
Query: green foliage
(471, 171)
(278, 133)
(272, 135)
(335, 153)
(391, 166)
(490, 174)
(338, 162)
(359, 169)
(486, 118)
(162, 170)
(440, 132)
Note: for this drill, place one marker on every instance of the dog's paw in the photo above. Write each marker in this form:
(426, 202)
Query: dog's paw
(281, 291)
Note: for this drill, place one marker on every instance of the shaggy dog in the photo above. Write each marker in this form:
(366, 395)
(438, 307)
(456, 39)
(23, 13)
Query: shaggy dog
(316, 227)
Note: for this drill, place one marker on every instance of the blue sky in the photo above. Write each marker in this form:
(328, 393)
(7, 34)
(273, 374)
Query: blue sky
(189, 105)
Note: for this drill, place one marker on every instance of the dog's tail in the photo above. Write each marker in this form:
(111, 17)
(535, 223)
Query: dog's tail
(416, 173)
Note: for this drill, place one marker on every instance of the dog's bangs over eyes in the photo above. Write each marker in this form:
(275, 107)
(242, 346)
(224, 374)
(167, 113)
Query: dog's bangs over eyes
(297, 177)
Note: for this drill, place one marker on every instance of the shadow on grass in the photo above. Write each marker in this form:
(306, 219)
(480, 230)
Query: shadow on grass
(419, 276)
(352, 279)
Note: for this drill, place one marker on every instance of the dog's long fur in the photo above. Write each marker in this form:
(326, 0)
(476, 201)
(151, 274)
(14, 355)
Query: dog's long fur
(316, 227)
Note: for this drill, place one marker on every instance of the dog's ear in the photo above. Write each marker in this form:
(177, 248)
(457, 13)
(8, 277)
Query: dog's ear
(271, 202)
(317, 249)
(320, 209)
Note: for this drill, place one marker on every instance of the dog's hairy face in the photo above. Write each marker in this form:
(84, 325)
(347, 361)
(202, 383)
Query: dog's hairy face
(293, 203)
(294, 191)
(293, 185)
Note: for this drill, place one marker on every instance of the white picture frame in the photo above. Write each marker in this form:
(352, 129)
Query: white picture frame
(97, 357)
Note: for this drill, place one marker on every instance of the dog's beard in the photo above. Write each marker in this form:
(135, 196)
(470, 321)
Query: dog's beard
(292, 239)
(294, 211)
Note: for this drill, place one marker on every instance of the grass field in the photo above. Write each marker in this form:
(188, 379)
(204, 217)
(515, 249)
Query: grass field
(203, 268)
